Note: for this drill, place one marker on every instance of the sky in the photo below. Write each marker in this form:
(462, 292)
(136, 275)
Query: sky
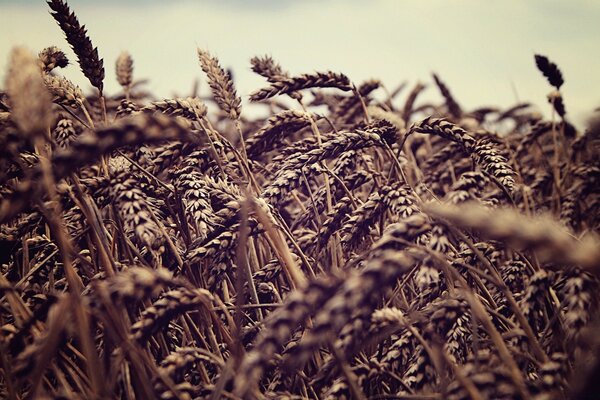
(482, 49)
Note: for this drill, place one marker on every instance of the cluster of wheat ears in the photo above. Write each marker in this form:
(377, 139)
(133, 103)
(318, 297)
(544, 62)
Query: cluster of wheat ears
(345, 246)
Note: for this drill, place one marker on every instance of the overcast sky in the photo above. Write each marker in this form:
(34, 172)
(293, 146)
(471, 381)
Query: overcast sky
(483, 49)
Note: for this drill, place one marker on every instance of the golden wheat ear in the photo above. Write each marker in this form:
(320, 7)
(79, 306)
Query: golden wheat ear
(30, 102)
(124, 70)
(52, 57)
(286, 85)
(221, 84)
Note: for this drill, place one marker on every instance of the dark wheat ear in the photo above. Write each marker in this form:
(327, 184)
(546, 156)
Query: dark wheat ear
(555, 98)
(87, 55)
(451, 103)
(550, 71)
(221, 85)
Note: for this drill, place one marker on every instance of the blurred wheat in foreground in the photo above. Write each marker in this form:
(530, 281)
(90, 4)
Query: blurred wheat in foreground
(348, 245)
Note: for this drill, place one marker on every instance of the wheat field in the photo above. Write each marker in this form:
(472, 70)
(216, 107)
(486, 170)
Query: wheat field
(351, 244)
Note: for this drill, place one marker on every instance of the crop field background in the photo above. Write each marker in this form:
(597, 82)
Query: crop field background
(297, 231)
